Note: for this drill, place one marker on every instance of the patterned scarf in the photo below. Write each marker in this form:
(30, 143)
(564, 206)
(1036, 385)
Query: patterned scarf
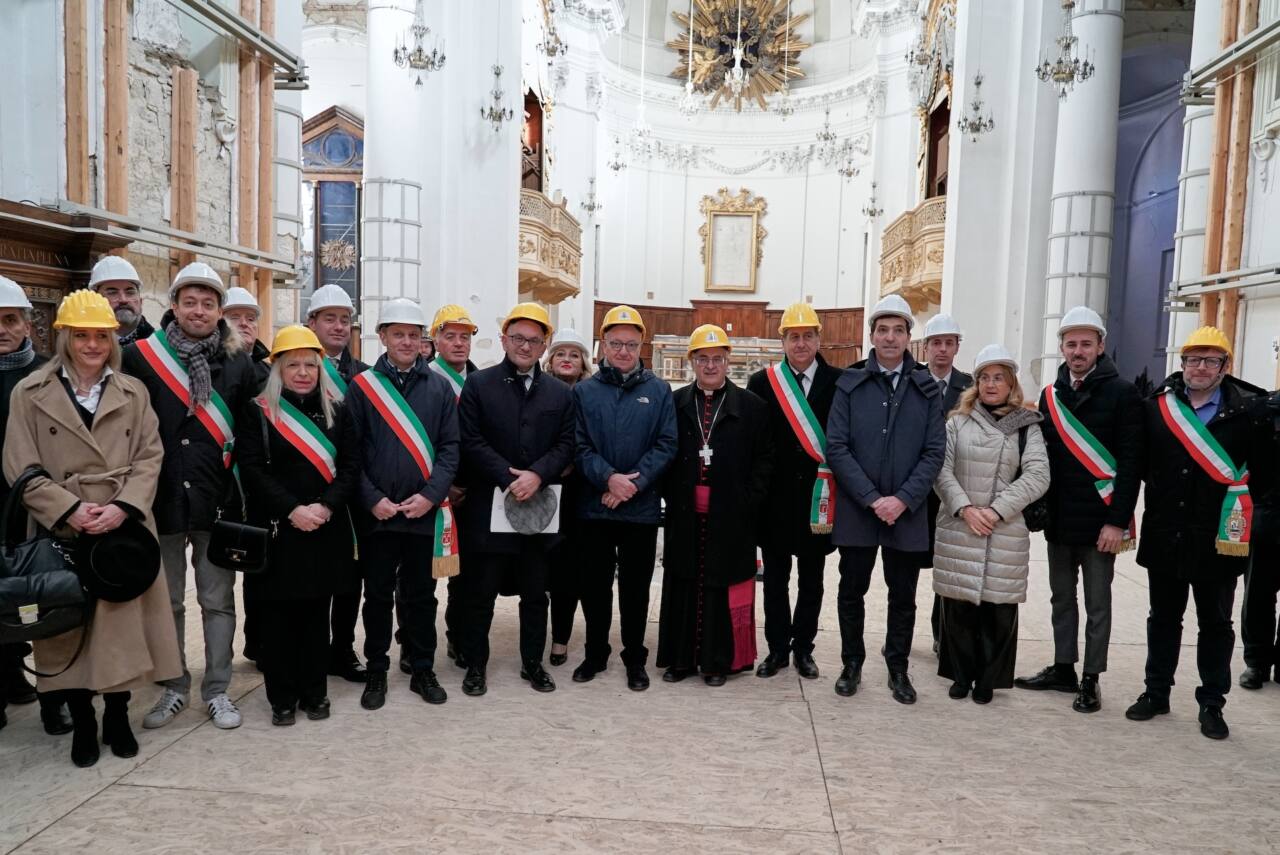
(139, 332)
(196, 354)
(20, 358)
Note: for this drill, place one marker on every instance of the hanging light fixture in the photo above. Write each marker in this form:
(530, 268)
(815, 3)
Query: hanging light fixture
(826, 150)
(691, 103)
(617, 158)
(591, 204)
(738, 76)
(870, 210)
(847, 168)
(972, 121)
(641, 140)
(496, 113)
(418, 59)
(783, 106)
(1067, 69)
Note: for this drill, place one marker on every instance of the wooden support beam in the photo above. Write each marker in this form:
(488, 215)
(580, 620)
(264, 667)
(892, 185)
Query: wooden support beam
(75, 46)
(247, 160)
(185, 111)
(115, 52)
(1238, 160)
(266, 170)
(1213, 229)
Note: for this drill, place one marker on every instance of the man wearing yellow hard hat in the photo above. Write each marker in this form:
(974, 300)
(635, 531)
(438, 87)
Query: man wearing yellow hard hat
(715, 493)
(517, 438)
(1205, 432)
(801, 504)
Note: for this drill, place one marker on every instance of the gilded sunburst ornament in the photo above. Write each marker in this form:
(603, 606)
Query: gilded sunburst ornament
(337, 254)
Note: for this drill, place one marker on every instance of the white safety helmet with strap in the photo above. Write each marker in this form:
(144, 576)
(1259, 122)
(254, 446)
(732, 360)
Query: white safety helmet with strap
(895, 306)
(12, 296)
(113, 268)
(330, 297)
(240, 298)
(569, 336)
(941, 324)
(401, 311)
(1081, 317)
(995, 354)
(198, 273)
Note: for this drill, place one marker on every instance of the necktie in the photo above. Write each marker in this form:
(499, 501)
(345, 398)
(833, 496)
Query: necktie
(942, 387)
(800, 378)
(892, 377)
(1076, 384)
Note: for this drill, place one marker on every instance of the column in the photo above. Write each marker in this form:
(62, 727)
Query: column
(1084, 166)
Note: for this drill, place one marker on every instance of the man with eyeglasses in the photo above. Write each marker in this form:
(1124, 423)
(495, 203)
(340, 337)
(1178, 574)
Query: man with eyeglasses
(1208, 454)
(626, 439)
(116, 279)
(517, 437)
(1093, 433)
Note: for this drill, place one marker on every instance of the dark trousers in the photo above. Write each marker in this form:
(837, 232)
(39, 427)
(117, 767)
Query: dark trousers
(344, 612)
(901, 570)
(252, 623)
(1214, 604)
(453, 610)
(1069, 563)
(979, 643)
(482, 575)
(562, 586)
(783, 630)
(390, 559)
(1258, 614)
(295, 648)
(630, 548)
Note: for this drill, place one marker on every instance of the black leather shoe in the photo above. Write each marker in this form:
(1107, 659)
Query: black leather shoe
(347, 666)
(1089, 698)
(117, 734)
(982, 695)
(586, 672)
(375, 691)
(674, 675)
(847, 682)
(637, 678)
(1212, 724)
(900, 683)
(424, 683)
(405, 667)
(456, 655)
(558, 659)
(285, 716)
(1057, 677)
(806, 667)
(55, 719)
(317, 711)
(474, 683)
(772, 664)
(958, 691)
(1147, 707)
(1253, 678)
(714, 679)
(538, 677)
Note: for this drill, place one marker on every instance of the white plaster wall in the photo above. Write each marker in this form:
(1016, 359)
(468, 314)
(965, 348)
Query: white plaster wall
(31, 135)
(337, 69)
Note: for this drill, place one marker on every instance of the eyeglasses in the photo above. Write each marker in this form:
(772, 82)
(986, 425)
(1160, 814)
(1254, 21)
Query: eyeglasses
(703, 361)
(520, 341)
(1212, 362)
(628, 346)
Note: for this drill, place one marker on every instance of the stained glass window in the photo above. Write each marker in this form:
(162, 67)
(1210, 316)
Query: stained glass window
(337, 228)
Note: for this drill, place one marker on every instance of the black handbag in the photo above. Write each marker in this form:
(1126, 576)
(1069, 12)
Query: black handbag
(237, 545)
(1036, 514)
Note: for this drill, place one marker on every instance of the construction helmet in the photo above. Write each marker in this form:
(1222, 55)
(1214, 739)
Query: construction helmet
(12, 296)
(942, 325)
(528, 312)
(198, 273)
(1208, 337)
(620, 316)
(994, 354)
(1081, 318)
(569, 336)
(85, 310)
(453, 314)
(329, 297)
(799, 315)
(894, 306)
(113, 268)
(708, 335)
(240, 298)
(295, 337)
(401, 311)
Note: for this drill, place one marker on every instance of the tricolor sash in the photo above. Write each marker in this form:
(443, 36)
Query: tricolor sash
(1089, 452)
(1235, 522)
(446, 371)
(331, 368)
(305, 436)
(214, 414)
(812, 438)
(405, 424)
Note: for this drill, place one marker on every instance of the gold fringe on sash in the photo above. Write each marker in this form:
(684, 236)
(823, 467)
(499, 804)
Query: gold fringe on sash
(445, 566)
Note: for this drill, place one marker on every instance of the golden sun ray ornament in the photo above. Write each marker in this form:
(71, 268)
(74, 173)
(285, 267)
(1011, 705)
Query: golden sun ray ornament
(770, 48)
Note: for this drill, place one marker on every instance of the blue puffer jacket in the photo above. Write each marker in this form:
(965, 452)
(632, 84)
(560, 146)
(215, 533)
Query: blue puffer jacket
(624, 426)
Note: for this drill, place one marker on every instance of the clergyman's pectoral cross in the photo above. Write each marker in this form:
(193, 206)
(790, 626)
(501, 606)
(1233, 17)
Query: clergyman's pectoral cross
(705, 454)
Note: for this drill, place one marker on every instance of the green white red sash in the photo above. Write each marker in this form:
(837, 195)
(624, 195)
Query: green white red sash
(446, 371)
(812, 438)
(335, 375)
(1088, 452)
(305, 436)
(214, 414)
(407, 427)
(1235, 522)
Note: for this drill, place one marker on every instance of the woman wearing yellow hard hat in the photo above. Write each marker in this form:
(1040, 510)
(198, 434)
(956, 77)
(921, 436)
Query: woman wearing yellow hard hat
(299, 461)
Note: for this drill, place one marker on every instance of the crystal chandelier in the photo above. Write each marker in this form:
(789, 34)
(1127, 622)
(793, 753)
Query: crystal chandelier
(418, 58)
(972, 122)
(738, 77)
(617, 161)
(641, 133)
(691, 103)
(783, 106)
(847, 168)
(496, 113)
(1068, 68)
(870, 210)
(918, 53)
(826, 139)
(591, 204)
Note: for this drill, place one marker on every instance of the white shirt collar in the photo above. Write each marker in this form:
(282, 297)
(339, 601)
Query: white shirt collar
(90, 401)
(809, 373)
(1083, 376)
(946, 379)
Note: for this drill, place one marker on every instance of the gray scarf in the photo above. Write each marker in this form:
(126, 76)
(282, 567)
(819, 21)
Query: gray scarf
(20, 358)
(196, 354)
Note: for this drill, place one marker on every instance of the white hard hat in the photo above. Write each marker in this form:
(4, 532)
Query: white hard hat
(330, 297)
(895, 306)
(198, 273)
(12, 296)
(113, 268)
(941, 325)
(995, 354)
(1081, 317)
(401, 311)
(569, 336)
(240, 298)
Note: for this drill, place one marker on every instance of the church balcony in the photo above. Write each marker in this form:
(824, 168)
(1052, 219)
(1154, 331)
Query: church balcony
(550, 249)
(911, 254)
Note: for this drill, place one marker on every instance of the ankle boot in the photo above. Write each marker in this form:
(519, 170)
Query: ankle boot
(84, 737)
(115, 725)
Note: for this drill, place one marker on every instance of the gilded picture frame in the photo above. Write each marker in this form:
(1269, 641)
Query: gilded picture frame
(732, 240)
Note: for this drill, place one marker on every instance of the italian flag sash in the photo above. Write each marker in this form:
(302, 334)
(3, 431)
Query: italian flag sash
(331, 368)
(404, 423)
(1235, 523)
(446, 371)
(214, 414)
(305, 436)
(1088, 452)
(812, 438)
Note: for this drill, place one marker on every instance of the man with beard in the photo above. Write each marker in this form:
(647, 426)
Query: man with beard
(118, 281)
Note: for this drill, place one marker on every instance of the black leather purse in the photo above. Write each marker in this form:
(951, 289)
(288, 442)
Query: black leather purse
(236, 545)
(1036, 514)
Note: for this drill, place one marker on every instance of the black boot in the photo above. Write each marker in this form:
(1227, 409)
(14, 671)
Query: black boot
(84, 740)
(115, 725)
(53, 714)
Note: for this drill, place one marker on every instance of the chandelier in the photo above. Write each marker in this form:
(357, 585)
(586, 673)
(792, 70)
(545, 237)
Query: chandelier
(870, 210)
(617, 159)
(826, 150)
(847, 168)
(738, 50)
(418, 59)
(591, 204)
(496, 113)
(782, 105)
(976, 125)
(1068, 68)
(691, 102)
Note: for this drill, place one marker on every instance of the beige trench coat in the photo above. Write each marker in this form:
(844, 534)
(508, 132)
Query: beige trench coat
(133, 643)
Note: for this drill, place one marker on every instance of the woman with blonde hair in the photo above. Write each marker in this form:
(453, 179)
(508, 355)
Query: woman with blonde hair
(995, 466)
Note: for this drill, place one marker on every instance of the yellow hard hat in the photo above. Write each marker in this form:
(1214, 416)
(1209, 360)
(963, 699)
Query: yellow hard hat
(85, 310)
(708, 335)
(528, 312)
(799, 315)
(295, 337)
(452, 314)
(1208, 337)
(620, 315)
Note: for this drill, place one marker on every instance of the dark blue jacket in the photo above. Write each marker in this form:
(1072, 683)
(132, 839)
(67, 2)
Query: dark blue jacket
(624, 426)
(883, 442)
(387, 469)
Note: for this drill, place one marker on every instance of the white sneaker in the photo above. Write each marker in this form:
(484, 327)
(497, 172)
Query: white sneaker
(166, 709)
(224, 713)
